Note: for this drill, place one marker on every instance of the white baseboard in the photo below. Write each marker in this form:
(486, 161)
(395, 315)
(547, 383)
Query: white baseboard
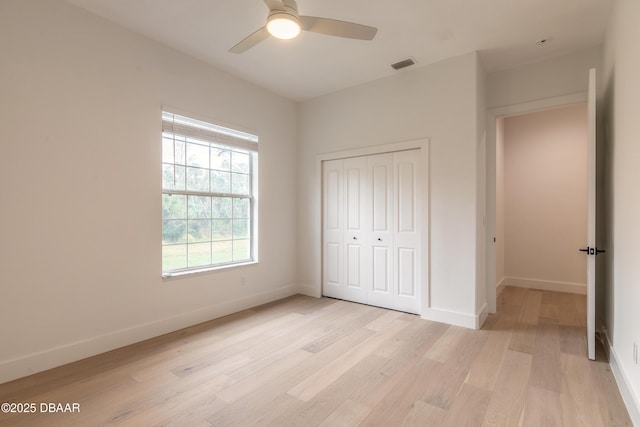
(71, 352)
(500, 286)
(310, 290)
(455, 318)
(545, 285)
(631, 401)
(480, 318)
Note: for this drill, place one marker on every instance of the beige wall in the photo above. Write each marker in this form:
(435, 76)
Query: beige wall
(80, 221)
(545, 195)
(622, 179)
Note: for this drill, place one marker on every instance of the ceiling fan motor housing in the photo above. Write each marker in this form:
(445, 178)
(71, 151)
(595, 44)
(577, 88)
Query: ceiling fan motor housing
(291, 6)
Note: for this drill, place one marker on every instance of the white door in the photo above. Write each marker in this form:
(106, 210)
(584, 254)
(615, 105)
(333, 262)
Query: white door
(395, 238)
(345, 238)
(592, 250)
(333, 275)
(407, 231)
(356, 236)
(380, 177)
(371, 230)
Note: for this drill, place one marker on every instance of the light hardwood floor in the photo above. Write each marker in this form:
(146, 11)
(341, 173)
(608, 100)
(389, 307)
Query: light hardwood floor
(304, 362)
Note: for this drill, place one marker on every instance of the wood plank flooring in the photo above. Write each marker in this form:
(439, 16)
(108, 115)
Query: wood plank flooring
(321, 362)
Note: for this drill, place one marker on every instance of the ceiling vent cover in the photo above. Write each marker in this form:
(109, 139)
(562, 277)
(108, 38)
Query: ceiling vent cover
(403, 64)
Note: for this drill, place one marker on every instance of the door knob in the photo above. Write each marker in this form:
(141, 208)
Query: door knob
(379, 239)
(355, 238)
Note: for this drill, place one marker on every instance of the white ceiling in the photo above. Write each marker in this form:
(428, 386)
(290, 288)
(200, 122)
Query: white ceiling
(503, 31)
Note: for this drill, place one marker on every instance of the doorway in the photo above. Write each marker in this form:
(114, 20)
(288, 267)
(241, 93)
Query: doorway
(493, 117)
(541, 199)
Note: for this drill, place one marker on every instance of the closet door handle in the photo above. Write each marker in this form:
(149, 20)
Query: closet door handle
(355, 238)
(379, 239)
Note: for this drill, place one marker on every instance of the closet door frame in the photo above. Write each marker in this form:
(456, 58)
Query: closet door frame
(423, 180)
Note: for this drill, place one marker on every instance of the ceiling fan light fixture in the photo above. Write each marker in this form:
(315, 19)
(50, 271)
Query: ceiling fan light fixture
(283, 25)
(284, 22)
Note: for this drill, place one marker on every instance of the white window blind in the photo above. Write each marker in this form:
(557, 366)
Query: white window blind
(188, 127)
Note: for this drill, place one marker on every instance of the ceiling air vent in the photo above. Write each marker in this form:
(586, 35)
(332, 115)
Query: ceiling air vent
(403, 64)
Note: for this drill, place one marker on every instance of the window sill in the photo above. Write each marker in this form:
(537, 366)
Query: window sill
(190, 273)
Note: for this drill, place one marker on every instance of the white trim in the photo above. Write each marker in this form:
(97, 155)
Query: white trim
(492, 116)
(422, 144)
(309, 290)
(500, 286)
(545, 285)
(183, 273)
(539, 105)
(455, 318)
(376, 149)
(36, 362)
(480, 318)
(631, 401)
(209, 119)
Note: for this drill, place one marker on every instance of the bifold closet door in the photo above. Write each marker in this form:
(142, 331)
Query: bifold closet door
(370, 230)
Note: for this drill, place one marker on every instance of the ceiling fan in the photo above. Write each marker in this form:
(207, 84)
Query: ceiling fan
(284, 22)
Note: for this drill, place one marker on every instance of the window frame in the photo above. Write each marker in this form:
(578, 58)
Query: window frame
(195, 131)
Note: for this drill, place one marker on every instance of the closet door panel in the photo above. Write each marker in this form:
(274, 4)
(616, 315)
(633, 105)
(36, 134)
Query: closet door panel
(333, 229)
(354, 176)
(406, 232)
(406, 272)
(354, 259)
(382, 259)
(333, 196)
(355, 237)
(380, 191)
(406, 197)
(332, 260)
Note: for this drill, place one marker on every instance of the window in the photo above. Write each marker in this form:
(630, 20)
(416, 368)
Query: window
(208, 195)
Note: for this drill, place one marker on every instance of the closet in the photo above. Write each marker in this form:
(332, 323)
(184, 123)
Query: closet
(371, 237)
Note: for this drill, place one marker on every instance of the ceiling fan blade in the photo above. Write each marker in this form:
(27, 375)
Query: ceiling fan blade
(274, 4)
(334, 27)
(250, 41)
